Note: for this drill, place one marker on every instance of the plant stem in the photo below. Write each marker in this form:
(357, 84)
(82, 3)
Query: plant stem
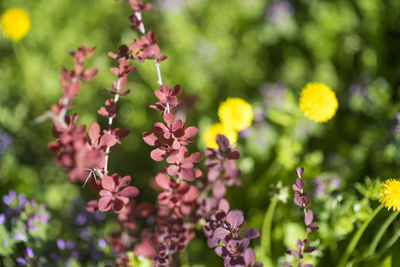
(110, 122)
(389, 243)
(142, 30)
(356, 237)
(267, 225)
(379, 234)
(184, 258)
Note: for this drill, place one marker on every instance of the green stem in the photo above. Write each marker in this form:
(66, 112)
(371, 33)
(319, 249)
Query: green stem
(389, 243)
(356, 237)
(184, 258)
(266, 229)
(379, 234)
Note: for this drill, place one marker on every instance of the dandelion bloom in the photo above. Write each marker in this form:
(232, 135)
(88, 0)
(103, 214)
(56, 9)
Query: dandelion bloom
(390, 192)
(15, 24)
(215, 129)
(318, 102)
(236, 113)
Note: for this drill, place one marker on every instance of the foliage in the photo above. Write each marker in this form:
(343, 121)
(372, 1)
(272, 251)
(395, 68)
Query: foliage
(263, 52)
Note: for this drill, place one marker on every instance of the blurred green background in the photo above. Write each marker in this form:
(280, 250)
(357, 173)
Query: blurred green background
(261, 51)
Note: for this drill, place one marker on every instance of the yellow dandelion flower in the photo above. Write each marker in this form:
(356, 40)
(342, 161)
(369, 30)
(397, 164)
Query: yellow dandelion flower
(218, 128)
(318, 102)
(15, 24)
(236, 113)
(390, 192)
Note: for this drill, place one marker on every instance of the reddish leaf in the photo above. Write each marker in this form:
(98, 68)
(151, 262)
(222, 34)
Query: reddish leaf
(150, 138)
(108, 140)
(308, 217)
(105, 203)
(196, 157)
(118, 204)
(191, 132)
(219, 189)
(124, 181)
(129, 191)
(88, 74)
(248, 257)
(157, 154)
(172, 170)
(168, 118)
(94, 132)
(162, 181)
(235, 218)
(115, 70)
(125, 91)
(108, 183)
(191, 195)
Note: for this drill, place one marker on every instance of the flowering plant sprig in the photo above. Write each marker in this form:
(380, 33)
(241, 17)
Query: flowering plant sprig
(222, 226)
(181, 207)
(300, 200)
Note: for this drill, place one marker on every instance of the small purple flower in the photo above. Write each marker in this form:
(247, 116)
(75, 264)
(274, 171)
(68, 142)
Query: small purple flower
(171, 5)
(2, 218)
(357, 89)
(70, 244)
(31, 225)
(102, 243)
(5, 142)
(84, 234)
(279, 12)
(61, 243)
(75, 254)
(318, 186)
(29, 252)
(100, 216)
(324, 186)
(81, 219)
(7, 199)
(273, 94)
(20, 236)
(360, 87)
(44, 218)
(21, 261)
(335, 182)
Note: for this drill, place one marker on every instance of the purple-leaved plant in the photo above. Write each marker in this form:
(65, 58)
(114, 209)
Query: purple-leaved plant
(186, 200)
(300, 200)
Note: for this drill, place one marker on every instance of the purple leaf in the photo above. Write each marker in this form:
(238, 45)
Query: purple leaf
(221, 251)
(299, 244)
(292, 252)
(220, 233)
(162, 181)
(299, 183)
(298, 200)
(235, 218)
(219, 189)
(250, 233)
(157, 154)
(129, 191)
(248, 256)
(308, 219)
(150, 138)
(309, 249)
(108, 183)
(212, 242)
